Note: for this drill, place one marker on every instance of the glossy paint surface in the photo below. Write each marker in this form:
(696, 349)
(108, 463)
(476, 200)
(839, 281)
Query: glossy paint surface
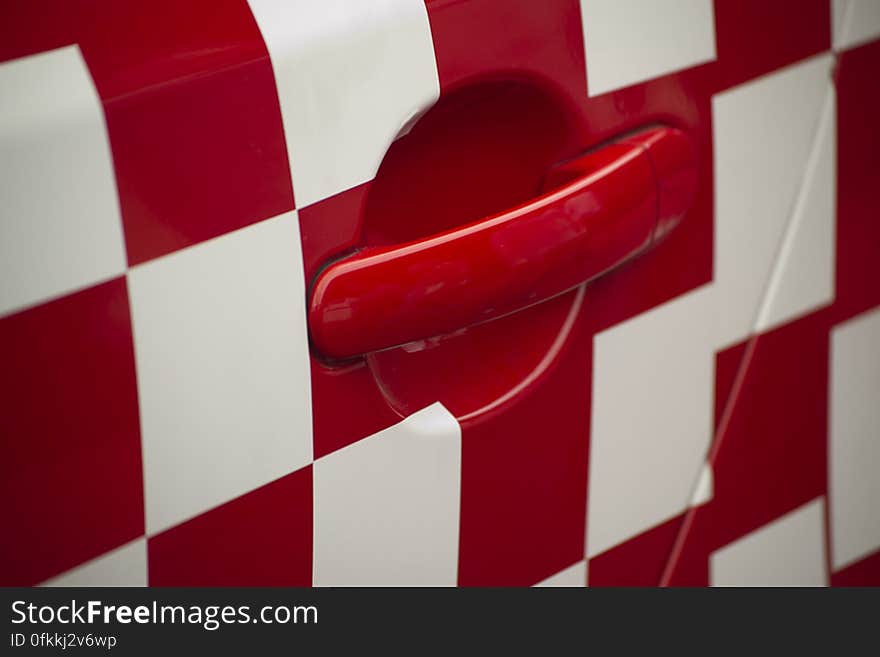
(194, 110)
(774, 440)
(610, 211)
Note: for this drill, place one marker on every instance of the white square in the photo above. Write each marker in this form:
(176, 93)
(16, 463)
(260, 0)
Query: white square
(653, 388)
(803, 278)
(854, 439)
(60, 227)
(631, 41)
(222, 367)
(790, 551)
(854, 22)
(573, 576)
(124, 566)
(764, 132)
(350, 75)
(387, 507)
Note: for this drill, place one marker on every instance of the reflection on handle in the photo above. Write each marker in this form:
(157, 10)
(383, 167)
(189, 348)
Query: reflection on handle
(606, 207)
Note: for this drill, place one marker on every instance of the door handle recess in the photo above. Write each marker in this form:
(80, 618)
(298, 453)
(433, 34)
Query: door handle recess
(613, 203)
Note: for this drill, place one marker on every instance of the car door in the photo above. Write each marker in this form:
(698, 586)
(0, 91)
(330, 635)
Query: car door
(475, 292)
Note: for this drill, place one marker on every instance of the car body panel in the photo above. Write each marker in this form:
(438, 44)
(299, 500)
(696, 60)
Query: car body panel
(178, 176)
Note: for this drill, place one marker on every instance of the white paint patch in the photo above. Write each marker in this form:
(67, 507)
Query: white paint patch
(351, 75)
(573, 576)
(60, 226)
(223, 369)
(854, 439)
(124, 566)
(387, 507)
(632, 41)
(790, 551)
(854, 23)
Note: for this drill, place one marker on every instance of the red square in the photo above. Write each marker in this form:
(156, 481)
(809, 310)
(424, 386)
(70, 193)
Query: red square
(524, 480)
(191, 108)
(70, 473)
(198, 158)
(755, 37)
(263, 538)
(509, 37)
(770, 452)
(858, 170)
(199, 146)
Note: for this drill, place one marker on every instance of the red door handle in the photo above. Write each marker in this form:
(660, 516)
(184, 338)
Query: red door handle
(614, 203)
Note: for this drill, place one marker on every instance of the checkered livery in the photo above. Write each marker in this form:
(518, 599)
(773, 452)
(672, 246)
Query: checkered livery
(168, 172)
